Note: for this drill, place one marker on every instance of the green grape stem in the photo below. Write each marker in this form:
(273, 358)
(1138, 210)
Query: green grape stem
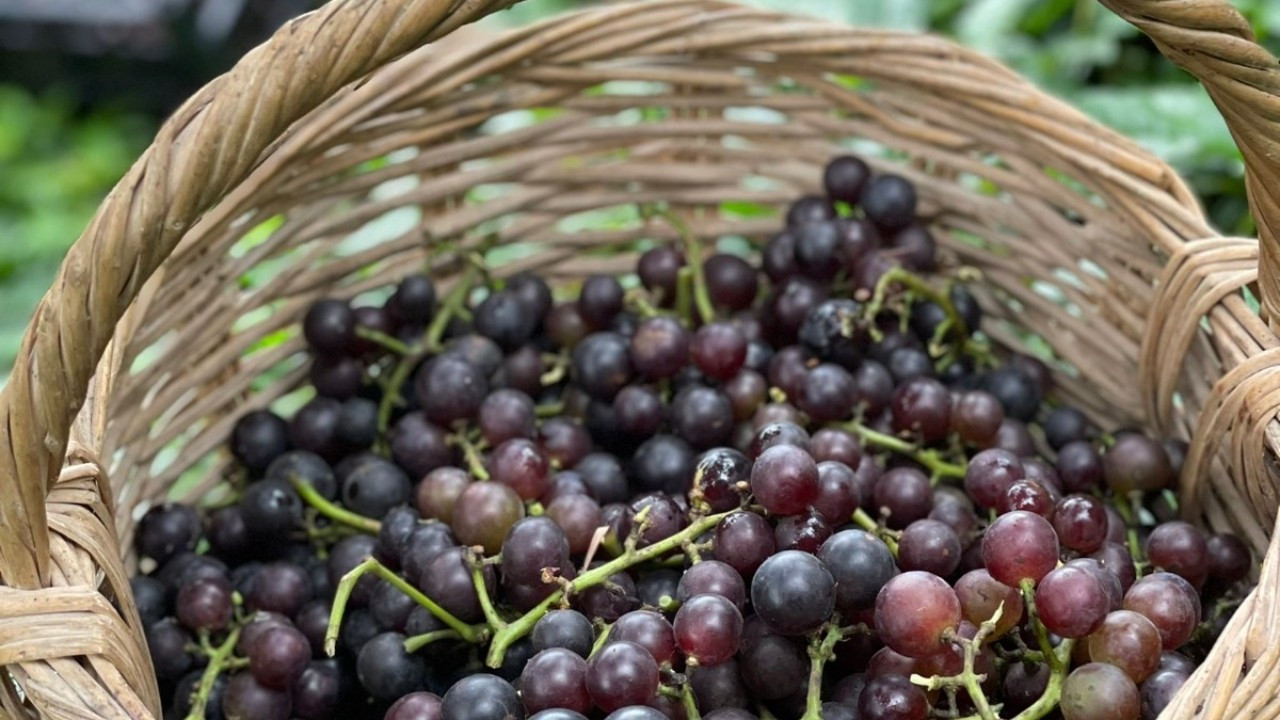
(476, 634)
(417, 642)
(221, 658)
(696, 274)
(866, 522)
(383, 340)
(504, 637)
(471, 453)
(690, 702)
(335, 513)
(822, 646)
(929, 458)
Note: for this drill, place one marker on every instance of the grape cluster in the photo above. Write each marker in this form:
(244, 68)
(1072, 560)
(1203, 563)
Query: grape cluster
(803, 489)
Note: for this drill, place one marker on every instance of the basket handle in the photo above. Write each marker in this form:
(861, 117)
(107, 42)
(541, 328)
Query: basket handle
(1213, 41)
(200, 154)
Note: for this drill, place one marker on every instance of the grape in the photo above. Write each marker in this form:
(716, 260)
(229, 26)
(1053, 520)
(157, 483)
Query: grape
(185, 691)
(1110, 583)
(793, 592)
(281, 587)
(839, 492)
(1080, 522)
(707, 629)
(555, 678)
(804, 532)
(930, 546)
(702, 416)
(778, 433)
(831, 331)
(418, 446)
(638, 712)
(522, 466)
(1137, 462)
(506, 319)
(578, 516)
(168, 644)
(778, 258)
(1174, 611)
(829, 393)
(889, 201)
(604, 476)
(558, 714)
(719, 350)
(659, 271)
(621, 674)
(506, 414)
(662, 519)
(568, 629)
(425, 542)
(450, 389)
(746, 392)
(610, 601)
(914, 611)
(718, 687)
(1030, 496)
(415, 706)
(874, 386)
(483, 514)
(534, 545)
(980, 595)
(1065, 425)
(844, 177)
(1071, 602)
(660, 347)
(481, 697)
(601, 299)
(1116, 558)
(658, 588)
(892, 697)
(917, 247)
(809, 208)
(205, 604)
(717, 475)
(438, 492)
(1129, 641)
(278, 657)
(414, 300)
(648, 629)
(1023, 684)
(1228, 558)
(245, 698)
(1098, 691)
(788, 305)
(639, 411)
(904, 494)
(817, 247)
(743, 541)
(989, 476)
(1080, 466)
(1158, 691)
(922, 406)
(773, 667)
(1019, 546)
(447, 579)
(151, 599)
(166, 530)
(1179, 548)
(860, 565)
(714, 577)
(374, 487)
(784, 479)
(271, 510)
(976, 416)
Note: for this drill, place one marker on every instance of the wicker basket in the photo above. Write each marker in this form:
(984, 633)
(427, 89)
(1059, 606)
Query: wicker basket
(266, 190)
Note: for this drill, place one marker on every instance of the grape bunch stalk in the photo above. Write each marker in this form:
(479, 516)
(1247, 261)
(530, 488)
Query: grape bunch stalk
(800, 485)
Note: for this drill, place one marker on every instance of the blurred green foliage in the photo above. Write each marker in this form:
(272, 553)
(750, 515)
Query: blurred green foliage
(57, 160)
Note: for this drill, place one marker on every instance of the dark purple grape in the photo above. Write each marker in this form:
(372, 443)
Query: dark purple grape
(829, 393)
(374, 487)
(257, 438)
(892, 697)
(809, 208)
(601, 365)
(784, 479)
(621, 674)
(922, 406)
(601, 299)
(555, 678)
(1065, 425)
(989, 475)
(717, 475)
(659, 271)
(779, 433)
(450, 389)
(505, 415)
(660, 347)
(860, 565)
(1178, 547)
(839, 491)
(610, 601)
(773, 667)
(168, 643)
(981, 595)
(1081, 523)
(604, 475)
(793, 592)
(414, 300)
(743, 541)
(565, 325)
(246, 698)
(419, 705)
(1030, 496)
(817, 249)
(731, 282)
(718, 687)
(419, 446)
(805, 532)
(205, 604)
(271, 510)
(482, 697)
(1137, 462)
(712, 577)
(391, 607)
(1229, 558)
(1071, 601)
(778, 258)
(844, 177)
(1159, 690)
(663, 463)
(1080, 466)
(447, 579)
(533, 546)
(313, 621)
(638, 410)
(708, 629)
(904, 495)
(648, 629)
(300, 465)
(568, 629)
(1169, 602)
(483, 514)
(168, 529)
(719, 350)
(930, 546)
(578, 516)
(278, 657)
(1129, 641)
(505, 318)
(976, 416)
(662, 519)
(329, 326)
(917, 247)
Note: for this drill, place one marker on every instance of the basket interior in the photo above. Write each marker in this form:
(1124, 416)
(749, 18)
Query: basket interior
(555, 139)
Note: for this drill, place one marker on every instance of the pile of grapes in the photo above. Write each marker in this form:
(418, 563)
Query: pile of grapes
(805, 490)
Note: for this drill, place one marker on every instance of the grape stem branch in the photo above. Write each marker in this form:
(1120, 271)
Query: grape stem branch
(929, 458)
(220, 658)
(312, 497)
(822, 647)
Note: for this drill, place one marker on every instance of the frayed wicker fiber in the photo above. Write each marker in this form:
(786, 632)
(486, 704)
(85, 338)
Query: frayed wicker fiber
(347, 152)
